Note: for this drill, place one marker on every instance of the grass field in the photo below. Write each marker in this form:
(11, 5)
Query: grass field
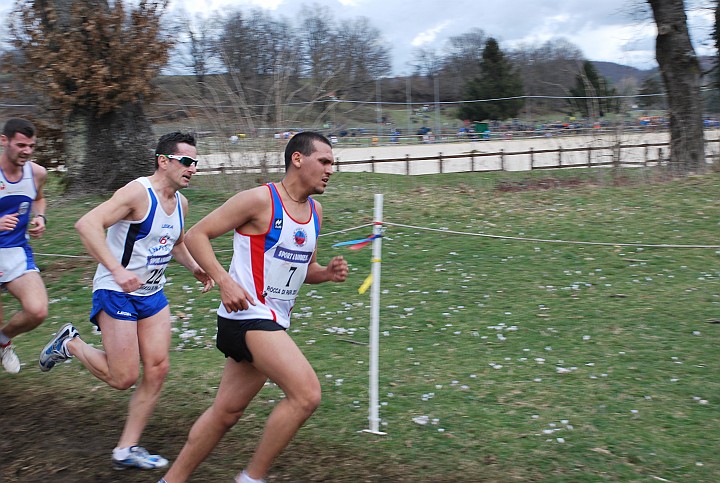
(500, 359)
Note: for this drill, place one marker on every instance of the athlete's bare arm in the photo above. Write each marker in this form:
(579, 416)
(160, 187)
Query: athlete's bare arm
(181, 254)
(335, 271)
(248, 211)
(37, 224)
(127, 203)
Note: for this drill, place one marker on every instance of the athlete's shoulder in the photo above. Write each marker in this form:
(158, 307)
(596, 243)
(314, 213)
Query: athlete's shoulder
(38, 170)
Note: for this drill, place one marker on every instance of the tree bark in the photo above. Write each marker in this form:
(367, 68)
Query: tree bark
(682, 75)
(107, 151)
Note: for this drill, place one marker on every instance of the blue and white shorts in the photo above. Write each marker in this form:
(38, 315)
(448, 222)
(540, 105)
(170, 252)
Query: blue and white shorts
(123, 306)
(15, 262)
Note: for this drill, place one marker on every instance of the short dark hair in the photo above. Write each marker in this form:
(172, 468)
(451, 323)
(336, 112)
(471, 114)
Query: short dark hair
(168, 143)
(303, 143)
(16, 125)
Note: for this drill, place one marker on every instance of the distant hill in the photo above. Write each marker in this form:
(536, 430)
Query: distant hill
(619, 74)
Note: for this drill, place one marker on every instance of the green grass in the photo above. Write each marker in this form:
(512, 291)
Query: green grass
(530, 361)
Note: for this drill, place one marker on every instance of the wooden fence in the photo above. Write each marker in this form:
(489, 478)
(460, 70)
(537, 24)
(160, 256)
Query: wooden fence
(474, 161)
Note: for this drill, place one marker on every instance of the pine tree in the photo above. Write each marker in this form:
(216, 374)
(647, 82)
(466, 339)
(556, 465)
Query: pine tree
(593, 92)
(497, 80)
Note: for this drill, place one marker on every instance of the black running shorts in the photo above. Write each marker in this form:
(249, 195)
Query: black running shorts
(231, 336)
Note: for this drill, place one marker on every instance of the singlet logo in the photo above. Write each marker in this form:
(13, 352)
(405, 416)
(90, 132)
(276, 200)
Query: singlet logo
(23, 208)
(300, 237)
(278, 223)
(164, 239)
(2, 185)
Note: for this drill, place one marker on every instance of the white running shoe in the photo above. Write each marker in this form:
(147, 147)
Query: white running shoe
(140, 458)
(10, 360)
(55, 351)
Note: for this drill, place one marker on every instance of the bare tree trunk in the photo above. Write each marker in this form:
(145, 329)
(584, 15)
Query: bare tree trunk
(681, 73)
(104, 152)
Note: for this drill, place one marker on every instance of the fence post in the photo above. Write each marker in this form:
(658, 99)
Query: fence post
(502, 159)
(560, 150)
(589, 162)
(616, 155)
(532, 159)
(372, 164)
(407, 164)
(617, 150)
(337, 164)
(646, 154)
(440, 159)
(472, 160)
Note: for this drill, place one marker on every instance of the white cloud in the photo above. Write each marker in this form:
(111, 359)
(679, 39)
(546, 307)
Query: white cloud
(428, 36)
(619, 31)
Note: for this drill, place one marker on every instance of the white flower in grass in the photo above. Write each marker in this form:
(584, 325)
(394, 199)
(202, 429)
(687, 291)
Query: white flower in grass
(188, 334)
(421, 420)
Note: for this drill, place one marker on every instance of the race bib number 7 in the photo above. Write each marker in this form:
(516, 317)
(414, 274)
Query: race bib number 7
(284, 277)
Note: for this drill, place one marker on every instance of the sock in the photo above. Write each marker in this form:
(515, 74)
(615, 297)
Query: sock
(121, 453)
(245, 478)
(4, 339)
(66, 348)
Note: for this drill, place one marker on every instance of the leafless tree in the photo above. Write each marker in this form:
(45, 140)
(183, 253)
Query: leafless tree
(461, 61)
(548, 70)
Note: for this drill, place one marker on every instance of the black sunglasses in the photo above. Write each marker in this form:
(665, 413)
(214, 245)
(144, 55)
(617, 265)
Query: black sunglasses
(185, 160)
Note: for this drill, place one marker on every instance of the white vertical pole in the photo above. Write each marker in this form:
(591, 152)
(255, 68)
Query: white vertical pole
(374, 408)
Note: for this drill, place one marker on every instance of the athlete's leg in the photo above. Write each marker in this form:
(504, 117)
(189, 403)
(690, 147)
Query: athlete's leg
(239, 384)
(119, 364)
(276, 355)
(153, 336)
(30, 291)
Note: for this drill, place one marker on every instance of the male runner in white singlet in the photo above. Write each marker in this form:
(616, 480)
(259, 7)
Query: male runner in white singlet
(274, 251)
(144, 222)
(22, 205)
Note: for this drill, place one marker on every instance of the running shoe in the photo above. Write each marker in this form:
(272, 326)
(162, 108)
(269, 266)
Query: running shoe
(10, 360)
(140, 458)
(56, 351)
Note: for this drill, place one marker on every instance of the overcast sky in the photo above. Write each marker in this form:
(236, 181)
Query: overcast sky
(604, 30)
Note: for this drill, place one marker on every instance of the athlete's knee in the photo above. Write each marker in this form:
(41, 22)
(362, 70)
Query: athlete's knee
(308, 401)
(156, 372)
(35, 314)
(227, 417)
(124, 379)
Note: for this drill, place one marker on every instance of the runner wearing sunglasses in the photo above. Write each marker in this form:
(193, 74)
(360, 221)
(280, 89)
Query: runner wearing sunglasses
(144, 221)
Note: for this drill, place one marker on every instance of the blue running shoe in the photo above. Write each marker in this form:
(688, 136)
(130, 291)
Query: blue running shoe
(140, 458)
(55, 350)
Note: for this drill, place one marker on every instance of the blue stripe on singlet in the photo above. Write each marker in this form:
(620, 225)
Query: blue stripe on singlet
(138, 231)
(274, 234)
